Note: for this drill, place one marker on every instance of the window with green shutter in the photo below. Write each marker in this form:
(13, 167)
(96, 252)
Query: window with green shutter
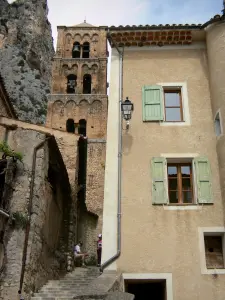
(175, 182)
(203, 180)
(158, 166)
(152, 102)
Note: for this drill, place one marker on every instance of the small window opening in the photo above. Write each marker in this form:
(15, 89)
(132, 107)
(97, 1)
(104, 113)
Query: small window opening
(87, 84)
(71, 84)
(82, 127)
(52, 179)
(217, 125)
(180, 187)
(214, 252)
(76, 50)
(70, 126)
(173, 105)
(86, 50)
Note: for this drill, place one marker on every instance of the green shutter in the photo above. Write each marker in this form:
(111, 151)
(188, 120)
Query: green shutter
(159, 195)
(152, 103)
(203, 180)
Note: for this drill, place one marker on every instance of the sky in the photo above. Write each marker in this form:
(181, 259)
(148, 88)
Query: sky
(130, 12)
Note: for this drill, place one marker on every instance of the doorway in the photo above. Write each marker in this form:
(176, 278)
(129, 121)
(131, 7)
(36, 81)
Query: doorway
(147, 289)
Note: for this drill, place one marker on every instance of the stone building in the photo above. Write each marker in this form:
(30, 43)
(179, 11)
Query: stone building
(171, 241)
(78, 104)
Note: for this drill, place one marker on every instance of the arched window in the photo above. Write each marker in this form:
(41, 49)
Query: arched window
(82, 127)
(76, 50)
(70, 126)
(71, 84)
(86, 50)
(87, 84)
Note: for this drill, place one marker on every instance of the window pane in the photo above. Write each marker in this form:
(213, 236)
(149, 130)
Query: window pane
(185, 170)
(186, 183)
(172, 99)
(187, 196)
(217, 125)
(173, 114)
(173, 197)
(172, 171)
(173, 184)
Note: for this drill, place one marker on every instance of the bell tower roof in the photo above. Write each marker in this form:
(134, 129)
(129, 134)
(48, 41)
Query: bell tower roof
(84, 24)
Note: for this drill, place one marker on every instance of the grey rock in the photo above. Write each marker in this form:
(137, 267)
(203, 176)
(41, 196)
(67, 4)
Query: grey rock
(26, 51)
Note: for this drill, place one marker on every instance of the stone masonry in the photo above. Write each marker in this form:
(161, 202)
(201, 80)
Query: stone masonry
(51, 235)
(79, 97)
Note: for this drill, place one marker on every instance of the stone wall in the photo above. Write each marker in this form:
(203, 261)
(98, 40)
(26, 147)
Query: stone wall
(50, 215)
(92, 108)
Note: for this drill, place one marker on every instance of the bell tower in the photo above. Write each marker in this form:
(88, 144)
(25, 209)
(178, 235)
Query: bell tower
(78, 105)
(79, 81)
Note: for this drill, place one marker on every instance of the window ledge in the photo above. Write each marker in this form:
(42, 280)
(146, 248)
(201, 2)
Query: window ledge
(213, 271)
(174, 124)
(183, 207)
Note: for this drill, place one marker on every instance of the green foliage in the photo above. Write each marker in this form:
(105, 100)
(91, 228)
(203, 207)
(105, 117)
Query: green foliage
(20, 220)
(5, 148)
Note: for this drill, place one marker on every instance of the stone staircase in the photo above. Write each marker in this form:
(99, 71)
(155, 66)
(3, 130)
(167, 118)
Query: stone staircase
(74, 285)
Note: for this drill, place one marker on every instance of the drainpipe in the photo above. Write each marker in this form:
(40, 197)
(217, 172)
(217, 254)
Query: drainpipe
(30, 204)
(117, 255)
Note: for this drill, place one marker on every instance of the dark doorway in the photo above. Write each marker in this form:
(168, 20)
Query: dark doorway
(70, 126)
(145, 290)
(76, 50)
(82, 127)
(71, 84)
(87, 84)
(86, 50)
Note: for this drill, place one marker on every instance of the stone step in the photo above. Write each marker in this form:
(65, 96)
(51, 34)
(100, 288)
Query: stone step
(71, 286)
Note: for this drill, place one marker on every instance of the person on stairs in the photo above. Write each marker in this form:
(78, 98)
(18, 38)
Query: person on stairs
(78, 253)
(99, 249)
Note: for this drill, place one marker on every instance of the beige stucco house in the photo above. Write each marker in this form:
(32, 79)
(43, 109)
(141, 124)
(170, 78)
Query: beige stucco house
(168, 237)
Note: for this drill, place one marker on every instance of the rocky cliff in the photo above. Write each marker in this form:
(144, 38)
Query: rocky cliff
(26, 51)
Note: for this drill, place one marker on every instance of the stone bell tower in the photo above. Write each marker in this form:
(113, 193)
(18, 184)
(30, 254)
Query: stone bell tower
(78, 105)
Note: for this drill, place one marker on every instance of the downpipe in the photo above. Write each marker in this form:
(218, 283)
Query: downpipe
(117, 255)
(30, 204)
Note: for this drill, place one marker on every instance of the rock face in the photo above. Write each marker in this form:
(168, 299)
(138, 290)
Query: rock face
(26, 51)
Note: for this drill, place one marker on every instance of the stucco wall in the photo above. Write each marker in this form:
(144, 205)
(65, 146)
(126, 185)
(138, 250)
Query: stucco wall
(216, 59)
(155, 239)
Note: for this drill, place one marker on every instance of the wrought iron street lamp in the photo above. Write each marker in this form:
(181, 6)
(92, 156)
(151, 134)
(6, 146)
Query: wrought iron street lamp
(127, 108)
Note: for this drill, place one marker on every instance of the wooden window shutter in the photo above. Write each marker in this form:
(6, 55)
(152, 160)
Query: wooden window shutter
(158, 167)
(203, 180)
(152, 103)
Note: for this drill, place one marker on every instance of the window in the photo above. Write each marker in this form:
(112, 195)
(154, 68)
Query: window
(70, 126)
(180, 183)
(217, 125)
(86, 50)
(82, 127)
(173, 105)
(214, 251)
(71, 84)
(167, 103)
(76, 50)
(87, 84)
